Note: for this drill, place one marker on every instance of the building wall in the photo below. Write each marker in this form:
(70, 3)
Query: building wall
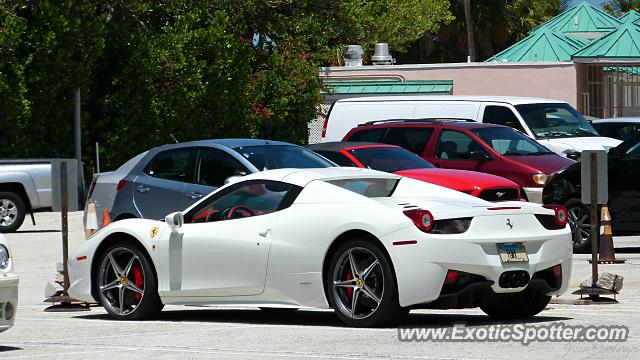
(546, 80)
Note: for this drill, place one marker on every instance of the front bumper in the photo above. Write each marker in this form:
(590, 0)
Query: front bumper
(421, 268)
(8, 300)
(534, 194)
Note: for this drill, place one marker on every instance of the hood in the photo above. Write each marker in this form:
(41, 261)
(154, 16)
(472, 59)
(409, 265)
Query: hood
(461, 180)
(546, 164)
(577, 144)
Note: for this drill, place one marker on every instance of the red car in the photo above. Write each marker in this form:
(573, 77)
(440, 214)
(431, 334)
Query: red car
(394, 159)
(470, 145)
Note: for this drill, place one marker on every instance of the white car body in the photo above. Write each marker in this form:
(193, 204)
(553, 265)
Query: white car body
(348, 113)
(277, 259)
(8, 291)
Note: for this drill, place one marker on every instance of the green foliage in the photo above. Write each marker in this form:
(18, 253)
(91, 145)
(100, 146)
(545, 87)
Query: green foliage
(619, 7)
(148, 70)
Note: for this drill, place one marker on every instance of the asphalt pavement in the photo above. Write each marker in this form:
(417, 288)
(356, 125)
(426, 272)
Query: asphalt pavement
(186, 332)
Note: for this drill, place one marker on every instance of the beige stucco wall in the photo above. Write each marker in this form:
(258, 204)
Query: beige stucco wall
(546, 80)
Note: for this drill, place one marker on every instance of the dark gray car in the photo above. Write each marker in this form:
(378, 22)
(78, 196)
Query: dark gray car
(171, 177)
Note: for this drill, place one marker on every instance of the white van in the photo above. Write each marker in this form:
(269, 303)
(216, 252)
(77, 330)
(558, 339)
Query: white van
(553, 123)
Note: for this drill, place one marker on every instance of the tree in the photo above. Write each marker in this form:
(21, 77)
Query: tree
(617, 7)
(497, 24)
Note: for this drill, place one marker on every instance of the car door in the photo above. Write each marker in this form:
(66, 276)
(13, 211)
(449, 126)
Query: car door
(159, 189)
(624, 190)
(455, 150)
(413, 139)
(213, 167)
(223, 247)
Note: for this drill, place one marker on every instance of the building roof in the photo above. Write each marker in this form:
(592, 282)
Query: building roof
(631, 16)
(623, 43)
(542, 45)
(388, 87)
(582, 18)
(513, 100)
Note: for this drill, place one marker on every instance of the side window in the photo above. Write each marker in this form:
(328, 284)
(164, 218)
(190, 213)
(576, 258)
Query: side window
(215, 166)
(173, 165)
(245, 199)
(337, 158)
(373, 135)
(454, 145)
(412, 139)
(501, 115)
(620, 131)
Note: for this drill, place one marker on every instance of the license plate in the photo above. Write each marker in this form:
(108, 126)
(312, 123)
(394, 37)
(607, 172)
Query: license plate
(513, 252)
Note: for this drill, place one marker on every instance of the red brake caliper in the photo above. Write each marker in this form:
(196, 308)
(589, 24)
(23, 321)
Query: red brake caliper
(138, 279)
(349, 290)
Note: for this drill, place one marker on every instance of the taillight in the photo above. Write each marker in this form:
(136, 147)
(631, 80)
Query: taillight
(121, 184)
(421, 218)
(557, 271)
(451, 277)
(561, 216)
(324, 126)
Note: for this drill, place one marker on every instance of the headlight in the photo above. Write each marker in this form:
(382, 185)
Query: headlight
(4, 257)
(540, 179)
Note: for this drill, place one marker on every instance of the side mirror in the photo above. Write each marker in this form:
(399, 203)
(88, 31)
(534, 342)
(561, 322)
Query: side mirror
(479, 155)
(232, 179)
(175, 220)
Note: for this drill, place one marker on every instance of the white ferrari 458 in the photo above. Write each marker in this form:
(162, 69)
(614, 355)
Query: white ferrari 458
(368, 244)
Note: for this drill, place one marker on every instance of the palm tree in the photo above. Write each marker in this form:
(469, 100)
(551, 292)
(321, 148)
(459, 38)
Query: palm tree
(468, 19)
(616, 7)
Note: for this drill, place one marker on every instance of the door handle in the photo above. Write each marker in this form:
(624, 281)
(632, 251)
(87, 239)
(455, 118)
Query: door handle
(194, 195)
(264, 233)
(142, 188)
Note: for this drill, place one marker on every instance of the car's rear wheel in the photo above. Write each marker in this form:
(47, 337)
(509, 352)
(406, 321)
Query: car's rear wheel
(126, 283)
(523, 305)
(12, 211)
(361, 285)
(580, 224)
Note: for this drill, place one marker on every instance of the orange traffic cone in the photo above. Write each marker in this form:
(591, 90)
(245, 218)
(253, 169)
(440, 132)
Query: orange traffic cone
(607, 253)
(106, 218)
(91, 220)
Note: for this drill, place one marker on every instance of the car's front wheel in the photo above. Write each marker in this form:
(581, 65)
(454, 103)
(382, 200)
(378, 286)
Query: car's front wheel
(126, 283)
(361, 285)
(523, 305)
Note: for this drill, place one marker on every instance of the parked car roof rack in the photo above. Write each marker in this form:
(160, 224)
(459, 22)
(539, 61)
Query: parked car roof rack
(427, 120)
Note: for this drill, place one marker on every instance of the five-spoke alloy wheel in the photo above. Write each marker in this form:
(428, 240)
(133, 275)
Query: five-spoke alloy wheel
(126, 284)
(361, 285)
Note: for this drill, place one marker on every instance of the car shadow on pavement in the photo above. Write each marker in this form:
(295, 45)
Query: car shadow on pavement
(628, 250)
(8, 348)
(321, 318)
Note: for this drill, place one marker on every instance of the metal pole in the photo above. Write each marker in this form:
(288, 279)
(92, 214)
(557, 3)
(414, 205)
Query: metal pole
(76, 128)
(97, 157)
(64, 209)
(594, 219)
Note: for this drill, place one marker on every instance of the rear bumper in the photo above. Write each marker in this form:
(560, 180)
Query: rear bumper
(421, 268)
(8, 300)
(534, 195)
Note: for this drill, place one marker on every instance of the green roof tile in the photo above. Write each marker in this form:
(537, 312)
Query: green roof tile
(631, 16)
(622, 43)
(583, 17)
(388, 87)
(542, 45)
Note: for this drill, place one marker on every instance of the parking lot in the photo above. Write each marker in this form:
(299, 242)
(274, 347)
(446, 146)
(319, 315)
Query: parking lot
(225, 332)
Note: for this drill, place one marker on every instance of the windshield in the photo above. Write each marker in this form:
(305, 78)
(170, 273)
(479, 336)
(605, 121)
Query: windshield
(555, 121)
(267, 157)
(507, 141)
(389, 159)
